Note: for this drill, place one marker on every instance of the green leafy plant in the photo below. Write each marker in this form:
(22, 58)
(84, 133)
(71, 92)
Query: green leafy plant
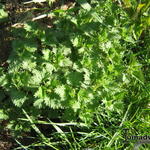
(86, 68)
(3, 14)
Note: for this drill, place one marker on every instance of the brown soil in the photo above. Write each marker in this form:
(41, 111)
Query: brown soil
(6, 142)
(5, 145)
(5, 45)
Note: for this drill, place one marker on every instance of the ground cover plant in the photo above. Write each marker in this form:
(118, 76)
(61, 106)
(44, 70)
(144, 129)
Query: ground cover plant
(76, 74)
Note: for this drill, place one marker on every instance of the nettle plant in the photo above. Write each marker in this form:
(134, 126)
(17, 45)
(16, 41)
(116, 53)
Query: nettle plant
(79, 64)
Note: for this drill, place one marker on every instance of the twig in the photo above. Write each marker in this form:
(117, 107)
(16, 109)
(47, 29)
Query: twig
(21, 24)
(34, 1)
(40, 17)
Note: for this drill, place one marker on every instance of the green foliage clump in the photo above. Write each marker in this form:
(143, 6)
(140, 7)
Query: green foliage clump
(86, 65)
